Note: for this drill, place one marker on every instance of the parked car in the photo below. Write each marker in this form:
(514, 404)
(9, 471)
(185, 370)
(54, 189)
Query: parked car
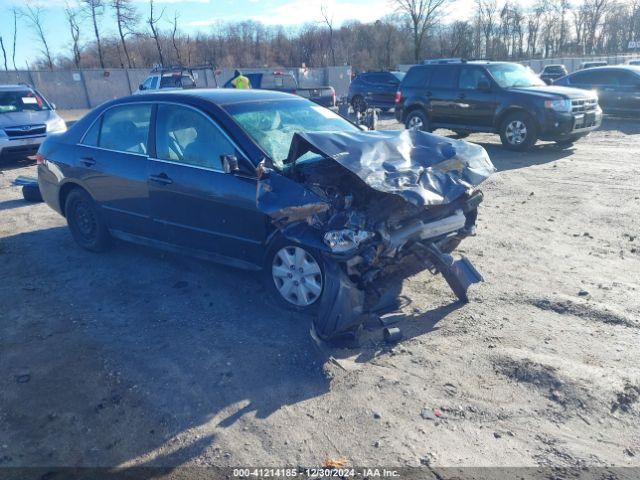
(374, 89)
(286, 82)
(634, 62)
(168, 79)
(26, 118)
(333, 216)
(550, 73)
(618, 87)
(593, 64)
(498, 97)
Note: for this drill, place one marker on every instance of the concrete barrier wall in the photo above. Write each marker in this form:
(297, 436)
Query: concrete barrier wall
(81, 89)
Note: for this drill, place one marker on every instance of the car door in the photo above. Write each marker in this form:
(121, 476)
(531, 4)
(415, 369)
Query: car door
(600, 80)
(194, 203)
(476, 104)
(113, 162)
(628, 90)
(443, 94)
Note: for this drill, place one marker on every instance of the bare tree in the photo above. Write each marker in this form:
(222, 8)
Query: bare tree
(487, 11)
(328, 20)
(153, 24)
(33, 14)
(126, 17)
(94, 10)
(74, 28)
(4, 53)
(14, 11)
(422, 15)
(174, 41)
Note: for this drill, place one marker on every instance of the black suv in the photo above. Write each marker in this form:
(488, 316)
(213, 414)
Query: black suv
(374, 89)
(497, 97)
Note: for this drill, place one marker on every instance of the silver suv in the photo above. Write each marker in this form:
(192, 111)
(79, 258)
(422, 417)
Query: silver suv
(26, 118)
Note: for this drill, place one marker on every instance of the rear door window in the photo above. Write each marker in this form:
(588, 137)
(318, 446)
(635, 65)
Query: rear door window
(443, 78)
(125, 128)
(417, 77)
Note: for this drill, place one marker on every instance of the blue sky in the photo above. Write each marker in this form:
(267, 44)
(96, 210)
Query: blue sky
(195, 15)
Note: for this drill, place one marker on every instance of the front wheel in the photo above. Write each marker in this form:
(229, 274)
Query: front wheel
(417, 119)
(294, 275)
(85, 222)
(518, 131)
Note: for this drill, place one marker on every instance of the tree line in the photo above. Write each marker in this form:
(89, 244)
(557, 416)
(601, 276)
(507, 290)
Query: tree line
(412, 31)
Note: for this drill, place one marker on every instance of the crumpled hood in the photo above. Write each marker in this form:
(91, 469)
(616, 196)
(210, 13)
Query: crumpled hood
(422, 168)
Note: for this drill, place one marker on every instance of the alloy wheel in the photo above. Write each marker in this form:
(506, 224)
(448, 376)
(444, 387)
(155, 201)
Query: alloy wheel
(415, 122)
(516, 132)
(297, 276)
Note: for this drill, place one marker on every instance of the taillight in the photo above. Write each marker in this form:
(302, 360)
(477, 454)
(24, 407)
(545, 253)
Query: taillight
(40, 159)
(398, 96)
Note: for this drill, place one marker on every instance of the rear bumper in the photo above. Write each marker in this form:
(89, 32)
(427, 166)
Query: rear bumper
(562, 126)
(49, 188)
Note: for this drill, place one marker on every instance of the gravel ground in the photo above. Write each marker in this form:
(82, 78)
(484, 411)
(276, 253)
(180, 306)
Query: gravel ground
(136, 357)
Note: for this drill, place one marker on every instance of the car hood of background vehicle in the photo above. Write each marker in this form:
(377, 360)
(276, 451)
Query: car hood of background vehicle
(422, 168)
(553, 92)
(14, 119)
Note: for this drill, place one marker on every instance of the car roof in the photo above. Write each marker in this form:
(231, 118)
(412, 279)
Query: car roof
(15, 87)
(222, 96)
(629, 68)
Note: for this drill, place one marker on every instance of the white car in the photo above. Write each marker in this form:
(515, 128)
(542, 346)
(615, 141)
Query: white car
(168, 79)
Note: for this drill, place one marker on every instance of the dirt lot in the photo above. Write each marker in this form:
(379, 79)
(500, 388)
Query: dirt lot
(135, 357)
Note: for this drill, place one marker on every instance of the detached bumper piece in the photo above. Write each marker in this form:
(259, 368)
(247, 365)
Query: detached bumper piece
(30, 188)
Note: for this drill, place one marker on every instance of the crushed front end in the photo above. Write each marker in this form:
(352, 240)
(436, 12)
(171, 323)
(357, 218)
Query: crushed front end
(380, 207)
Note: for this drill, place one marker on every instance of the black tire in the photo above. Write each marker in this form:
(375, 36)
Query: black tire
(270, 279)
(85, 221)
(513, 136)
(31, 193)
(358, 104)
(417, 119)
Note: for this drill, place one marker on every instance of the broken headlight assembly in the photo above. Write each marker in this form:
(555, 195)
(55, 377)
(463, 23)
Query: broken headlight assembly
(341, 241)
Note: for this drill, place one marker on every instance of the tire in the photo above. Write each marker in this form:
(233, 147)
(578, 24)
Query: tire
(359, 104)
(518, 131)
(31, 193)
(85, 221)
(417, 119)
(462, 134)
(306, 288)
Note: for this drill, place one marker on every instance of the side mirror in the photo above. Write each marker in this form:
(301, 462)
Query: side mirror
(140, 87)
(230, 163)
(484, 85)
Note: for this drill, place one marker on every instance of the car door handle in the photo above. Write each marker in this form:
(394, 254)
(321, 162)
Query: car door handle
(162, 179)
(87, 161)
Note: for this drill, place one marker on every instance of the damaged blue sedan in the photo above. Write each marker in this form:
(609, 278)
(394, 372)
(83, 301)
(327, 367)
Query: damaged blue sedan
(335, 217)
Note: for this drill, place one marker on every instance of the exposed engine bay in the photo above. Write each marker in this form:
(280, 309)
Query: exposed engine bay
(380, 207)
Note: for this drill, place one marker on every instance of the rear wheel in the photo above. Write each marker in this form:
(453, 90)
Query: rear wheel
(518, 131)
(417, 119)
(294, 275)
(85, 222)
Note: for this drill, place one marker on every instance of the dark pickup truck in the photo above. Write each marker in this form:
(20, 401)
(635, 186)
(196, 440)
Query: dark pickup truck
(286, 82)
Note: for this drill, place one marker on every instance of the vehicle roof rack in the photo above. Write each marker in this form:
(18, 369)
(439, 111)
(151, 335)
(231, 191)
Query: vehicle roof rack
(443, 61)
(175, 68)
